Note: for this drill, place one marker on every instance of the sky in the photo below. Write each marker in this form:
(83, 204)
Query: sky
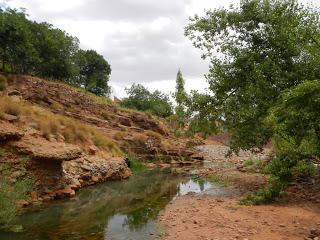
(143, 40)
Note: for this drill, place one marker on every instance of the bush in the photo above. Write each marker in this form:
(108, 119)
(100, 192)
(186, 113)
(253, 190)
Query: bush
(135, 165)
(266, 194)
(295, 121)
(142, 99)
(7, 105)
(3, 83)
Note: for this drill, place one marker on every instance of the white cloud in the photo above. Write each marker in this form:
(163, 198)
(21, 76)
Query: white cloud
(143, 40)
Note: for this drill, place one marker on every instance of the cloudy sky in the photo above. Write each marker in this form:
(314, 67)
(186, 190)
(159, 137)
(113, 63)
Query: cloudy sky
(143, 40)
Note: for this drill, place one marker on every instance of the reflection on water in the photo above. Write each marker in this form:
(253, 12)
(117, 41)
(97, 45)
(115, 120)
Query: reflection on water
(113, 210)
(193, 186)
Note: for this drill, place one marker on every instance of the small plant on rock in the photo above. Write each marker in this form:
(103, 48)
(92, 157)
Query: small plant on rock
(3, 83)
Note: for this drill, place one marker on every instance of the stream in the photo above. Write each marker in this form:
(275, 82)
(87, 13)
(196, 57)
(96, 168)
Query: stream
(120, 210)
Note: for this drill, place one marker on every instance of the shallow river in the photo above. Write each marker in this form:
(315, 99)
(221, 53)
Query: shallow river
(121, 210)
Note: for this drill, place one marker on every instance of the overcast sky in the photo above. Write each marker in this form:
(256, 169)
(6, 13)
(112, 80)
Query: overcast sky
(143, 40)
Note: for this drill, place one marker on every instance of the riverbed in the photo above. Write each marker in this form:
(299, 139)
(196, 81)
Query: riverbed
(119, 210)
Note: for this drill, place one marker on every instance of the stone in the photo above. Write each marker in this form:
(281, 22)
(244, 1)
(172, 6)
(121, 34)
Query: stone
(93, 150)
(22, 203)
(10, 118)
(14, 93)
(66, 192)
(9, 132)
(95, 179)
(41, 149)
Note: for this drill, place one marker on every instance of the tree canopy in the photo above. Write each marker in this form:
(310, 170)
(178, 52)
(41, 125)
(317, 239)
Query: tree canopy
(257, 51)
(28, 47)
(142, 99)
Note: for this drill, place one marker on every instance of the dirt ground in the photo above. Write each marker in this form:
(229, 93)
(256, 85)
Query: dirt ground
(197, 217)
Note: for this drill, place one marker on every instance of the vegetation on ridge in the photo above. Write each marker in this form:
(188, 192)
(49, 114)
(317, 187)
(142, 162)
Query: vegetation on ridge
(58, 126)
(28, 47)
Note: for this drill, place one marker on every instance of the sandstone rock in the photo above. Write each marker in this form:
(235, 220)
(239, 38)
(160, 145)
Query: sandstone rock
(197, 157)
(9, 132)
(67, 192)
(9, 117)
(14, 93)
(44, 150)
(22, 203)
(95, 179)
(93, 150)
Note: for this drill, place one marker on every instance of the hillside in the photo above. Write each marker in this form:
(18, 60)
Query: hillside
(61, 139)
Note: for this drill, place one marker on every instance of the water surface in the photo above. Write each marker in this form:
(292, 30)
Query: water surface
(121, 210)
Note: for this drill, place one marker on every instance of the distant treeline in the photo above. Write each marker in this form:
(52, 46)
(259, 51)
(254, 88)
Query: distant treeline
(28, 47)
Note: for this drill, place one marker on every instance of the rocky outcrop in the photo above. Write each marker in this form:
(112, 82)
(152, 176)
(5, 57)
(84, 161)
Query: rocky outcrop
(109, 118)
(41, 149)
(89, 170)
(9, 132)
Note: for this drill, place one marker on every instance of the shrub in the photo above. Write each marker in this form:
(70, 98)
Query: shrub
(135, 165)
(255, 165)
(10, 107)
(266, 194)
(295, 121)
(3, 83)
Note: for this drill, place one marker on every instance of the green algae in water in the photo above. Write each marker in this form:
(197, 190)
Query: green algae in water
(118, 210)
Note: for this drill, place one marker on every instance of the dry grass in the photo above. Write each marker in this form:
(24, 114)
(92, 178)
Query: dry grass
(140, 139)
(119, 135)
(55, 125)
(10, 107)
(156, 135)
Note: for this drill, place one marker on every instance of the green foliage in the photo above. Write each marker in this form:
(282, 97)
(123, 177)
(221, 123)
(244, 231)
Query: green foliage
(11, 192)
(29, 47)
(255, 165)
(3, 83)
(135, 165)
(94, 72)
(140, 98)
(2, 152)
(266, 194)
(296, 124)
(265, 48)
(181, 98)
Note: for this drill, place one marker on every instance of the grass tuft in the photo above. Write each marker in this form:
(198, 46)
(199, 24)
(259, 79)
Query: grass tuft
(55, 125)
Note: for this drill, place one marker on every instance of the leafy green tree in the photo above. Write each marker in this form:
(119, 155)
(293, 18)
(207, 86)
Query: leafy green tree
(17, 51)
(295, 121)
(55, 49)
(94, 72)
(181, 97)
(142, 99)
(257, 51)
(203, 114)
